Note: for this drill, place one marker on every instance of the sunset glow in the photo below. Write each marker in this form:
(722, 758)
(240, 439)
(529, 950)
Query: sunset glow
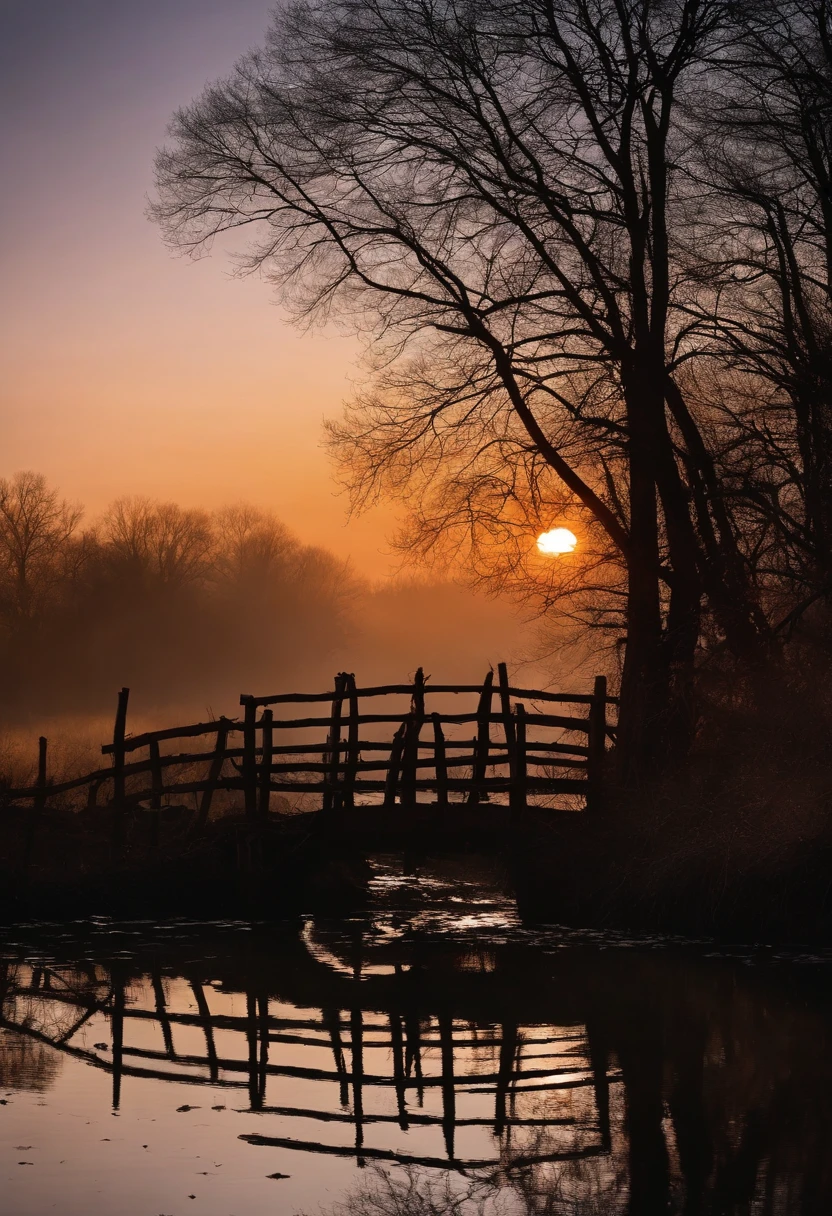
(558, 541)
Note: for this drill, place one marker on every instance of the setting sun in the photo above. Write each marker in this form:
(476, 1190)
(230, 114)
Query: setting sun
(559, 540)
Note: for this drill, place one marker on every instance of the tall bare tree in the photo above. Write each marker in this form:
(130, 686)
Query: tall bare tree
(492, 191)
(767, 144)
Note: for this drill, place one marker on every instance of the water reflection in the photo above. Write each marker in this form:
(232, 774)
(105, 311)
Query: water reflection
(25, 1063)
(545, 1072)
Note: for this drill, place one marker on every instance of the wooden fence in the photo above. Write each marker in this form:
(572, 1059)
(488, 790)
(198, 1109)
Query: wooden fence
(400, 757)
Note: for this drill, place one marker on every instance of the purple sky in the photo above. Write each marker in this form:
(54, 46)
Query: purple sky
(126, 370)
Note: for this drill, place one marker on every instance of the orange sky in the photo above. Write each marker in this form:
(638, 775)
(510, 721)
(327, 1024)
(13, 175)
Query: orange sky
(126, 370)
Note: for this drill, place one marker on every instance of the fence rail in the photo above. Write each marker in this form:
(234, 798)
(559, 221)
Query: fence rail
(356, 755)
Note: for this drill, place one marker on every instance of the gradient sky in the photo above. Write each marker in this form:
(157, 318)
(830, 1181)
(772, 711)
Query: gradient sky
(125, 369)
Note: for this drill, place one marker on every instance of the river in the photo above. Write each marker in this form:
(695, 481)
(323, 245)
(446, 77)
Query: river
(428, 1055)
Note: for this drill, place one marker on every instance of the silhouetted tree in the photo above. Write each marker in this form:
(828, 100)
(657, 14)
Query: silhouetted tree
(767, 166)
(251, 546)
(39, 547)
(494, 191)
(161, 542)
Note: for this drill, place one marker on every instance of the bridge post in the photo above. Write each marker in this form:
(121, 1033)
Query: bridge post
(440, 761)
(250, 755)
(596, 744)
(156, 791)
(214, 774)
(330, 799)
(266, 763)
(483, 742)
(411, 742)
(38, 804)
(351, 768)
(505, 709)
(518, 792)
(391, 781)
(119, 732)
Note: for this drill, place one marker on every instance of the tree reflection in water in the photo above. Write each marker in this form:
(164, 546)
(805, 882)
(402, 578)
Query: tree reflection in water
(531, 1074)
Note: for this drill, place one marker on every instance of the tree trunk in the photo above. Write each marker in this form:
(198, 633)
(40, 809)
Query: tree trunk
(644, 683)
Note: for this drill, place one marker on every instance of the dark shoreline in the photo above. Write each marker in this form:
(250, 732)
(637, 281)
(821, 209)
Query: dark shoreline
(562, 868)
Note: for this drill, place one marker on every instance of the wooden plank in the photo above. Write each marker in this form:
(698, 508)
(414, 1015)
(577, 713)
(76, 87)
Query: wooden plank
(265, 764)
(250, 755)
(492, 785)
(384, 690)
(496, 750)
(391, 783)
(428, 764)
(519, 776)
(119, 731)
(331, 799)
(38, 804)
(353, 751)
(564, 698)
(505, 709)
(156, 782)
(157, 790)
(95, 784)
(483, 740)
(439, 760)
(208, 728)
(173, 732)
(118, 746)
(376, 745)
(214, 774)
(597, 744)
(411, 743)
(553, 721)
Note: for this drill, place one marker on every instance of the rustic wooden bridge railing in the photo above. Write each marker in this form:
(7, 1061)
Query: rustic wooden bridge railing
(556, 748)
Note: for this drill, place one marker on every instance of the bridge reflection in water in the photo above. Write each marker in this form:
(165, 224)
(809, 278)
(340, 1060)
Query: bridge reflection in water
(661, 1078)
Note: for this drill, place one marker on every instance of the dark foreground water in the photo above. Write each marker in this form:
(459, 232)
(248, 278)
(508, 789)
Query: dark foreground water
(428, 1056)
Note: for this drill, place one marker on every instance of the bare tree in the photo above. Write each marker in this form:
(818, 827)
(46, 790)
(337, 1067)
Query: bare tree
(251, 545)
(39, 548)
(768, 163)
(491, 191)
(169, 544)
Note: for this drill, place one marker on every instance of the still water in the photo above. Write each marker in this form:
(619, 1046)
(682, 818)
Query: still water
(429, 1055)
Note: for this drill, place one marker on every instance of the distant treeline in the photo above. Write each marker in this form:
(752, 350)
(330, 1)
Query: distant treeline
(191, 607)
(156, 594)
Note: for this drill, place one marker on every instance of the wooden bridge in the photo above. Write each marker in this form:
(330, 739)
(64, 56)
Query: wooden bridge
(526, 744)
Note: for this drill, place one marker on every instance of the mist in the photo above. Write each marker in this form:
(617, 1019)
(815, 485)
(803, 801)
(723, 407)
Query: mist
(189, 608)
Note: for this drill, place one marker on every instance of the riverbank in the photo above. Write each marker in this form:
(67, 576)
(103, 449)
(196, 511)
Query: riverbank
(651, 868)
(601, 874)
(70, 866)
